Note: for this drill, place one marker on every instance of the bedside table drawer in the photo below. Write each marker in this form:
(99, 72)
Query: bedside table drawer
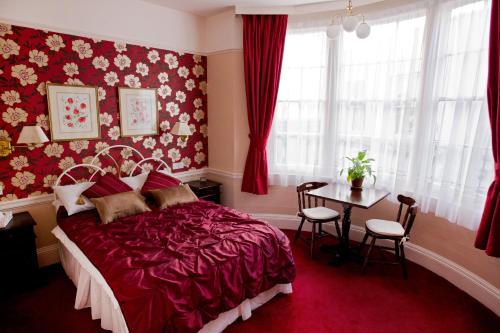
(206, 191)
(19, 235)
(212, 197)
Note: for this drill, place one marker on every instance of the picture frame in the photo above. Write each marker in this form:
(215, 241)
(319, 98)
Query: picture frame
(138, 111)
(73, 112)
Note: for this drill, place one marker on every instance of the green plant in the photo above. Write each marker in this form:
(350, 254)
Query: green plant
(361, 166)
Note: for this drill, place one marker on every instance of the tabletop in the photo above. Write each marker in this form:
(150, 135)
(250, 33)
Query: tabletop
(342, 193)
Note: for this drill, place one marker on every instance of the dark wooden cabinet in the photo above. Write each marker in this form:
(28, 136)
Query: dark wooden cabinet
(18, 257)
(206, 190)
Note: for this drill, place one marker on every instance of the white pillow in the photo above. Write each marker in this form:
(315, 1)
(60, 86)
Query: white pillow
(136, 182)
(69, 194)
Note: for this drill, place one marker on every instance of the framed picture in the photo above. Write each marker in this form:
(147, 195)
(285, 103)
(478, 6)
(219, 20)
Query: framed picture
(138, 111)
(73, 112)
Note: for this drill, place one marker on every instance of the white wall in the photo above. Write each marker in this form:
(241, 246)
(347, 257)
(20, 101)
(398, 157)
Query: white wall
(131, 21)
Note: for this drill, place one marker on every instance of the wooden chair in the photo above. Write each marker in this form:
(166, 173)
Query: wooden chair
(397, 231)
(317, 215)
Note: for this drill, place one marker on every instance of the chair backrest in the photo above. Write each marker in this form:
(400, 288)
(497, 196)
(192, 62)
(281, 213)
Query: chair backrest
(410, 213)
(303, 188)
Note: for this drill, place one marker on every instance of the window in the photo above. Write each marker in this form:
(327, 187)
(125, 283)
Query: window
(412, 94)
(297, 126)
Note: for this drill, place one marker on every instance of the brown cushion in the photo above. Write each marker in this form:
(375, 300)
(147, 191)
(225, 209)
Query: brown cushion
(170, 196)
(114, 206)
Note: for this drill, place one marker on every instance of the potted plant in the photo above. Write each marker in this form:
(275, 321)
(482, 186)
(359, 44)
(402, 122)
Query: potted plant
(361, 166)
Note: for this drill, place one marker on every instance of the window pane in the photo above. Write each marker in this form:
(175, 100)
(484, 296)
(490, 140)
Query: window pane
(297, 131)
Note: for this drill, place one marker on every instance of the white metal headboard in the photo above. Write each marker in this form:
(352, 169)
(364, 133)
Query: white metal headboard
(83, 165)
(105, 152)
(97, 169)
(144, 169)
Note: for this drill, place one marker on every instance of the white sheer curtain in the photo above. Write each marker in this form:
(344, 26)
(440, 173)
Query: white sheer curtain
(377, 94)
(453, 162)
(412, 94)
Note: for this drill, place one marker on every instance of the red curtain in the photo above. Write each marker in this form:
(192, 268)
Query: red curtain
(488, 235)
(263, 44)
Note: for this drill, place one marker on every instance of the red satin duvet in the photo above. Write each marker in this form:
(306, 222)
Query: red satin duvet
(176, 269)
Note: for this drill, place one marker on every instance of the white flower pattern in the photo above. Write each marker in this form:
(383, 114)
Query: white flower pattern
(11, 97)
(83, 49)
(122, 61)
(71, 69)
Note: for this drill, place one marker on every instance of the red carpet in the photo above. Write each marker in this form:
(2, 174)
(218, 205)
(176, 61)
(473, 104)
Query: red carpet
(325, 299)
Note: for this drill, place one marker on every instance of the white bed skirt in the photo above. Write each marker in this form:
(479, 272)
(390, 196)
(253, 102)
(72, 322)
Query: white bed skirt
(94, 292)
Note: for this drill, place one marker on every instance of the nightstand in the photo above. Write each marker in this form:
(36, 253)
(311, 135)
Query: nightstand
(18, 257)
(206, 190)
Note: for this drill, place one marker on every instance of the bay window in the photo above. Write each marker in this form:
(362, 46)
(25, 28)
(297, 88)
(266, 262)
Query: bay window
(413, 94)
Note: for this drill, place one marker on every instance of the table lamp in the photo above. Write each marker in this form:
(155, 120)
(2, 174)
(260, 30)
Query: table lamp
(181, 129)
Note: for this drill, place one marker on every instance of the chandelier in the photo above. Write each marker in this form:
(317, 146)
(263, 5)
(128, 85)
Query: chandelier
(349, 22)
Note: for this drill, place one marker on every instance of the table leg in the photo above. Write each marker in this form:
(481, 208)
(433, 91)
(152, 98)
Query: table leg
(346, 226)
(342, 250)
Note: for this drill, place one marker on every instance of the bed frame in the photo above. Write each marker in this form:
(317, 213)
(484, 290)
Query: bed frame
(93, 290)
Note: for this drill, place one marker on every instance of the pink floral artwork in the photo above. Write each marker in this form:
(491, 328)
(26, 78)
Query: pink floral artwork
(139, 112)
(75, 111)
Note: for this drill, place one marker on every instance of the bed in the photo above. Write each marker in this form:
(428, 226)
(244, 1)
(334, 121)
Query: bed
(191, 267)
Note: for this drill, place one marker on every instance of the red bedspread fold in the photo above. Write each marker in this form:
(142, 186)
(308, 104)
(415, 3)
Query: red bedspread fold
(176, 269)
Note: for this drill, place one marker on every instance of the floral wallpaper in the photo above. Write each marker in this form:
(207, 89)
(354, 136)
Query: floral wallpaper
(29, 58)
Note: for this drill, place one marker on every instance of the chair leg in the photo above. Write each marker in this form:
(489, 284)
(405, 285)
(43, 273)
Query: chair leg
(403, 262)
(339, 233)
(372, 243)
(396, 249)
(363, 243)
(312, 239)
(299, 230)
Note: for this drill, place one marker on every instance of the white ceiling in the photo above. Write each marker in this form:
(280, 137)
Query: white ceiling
(210, 7)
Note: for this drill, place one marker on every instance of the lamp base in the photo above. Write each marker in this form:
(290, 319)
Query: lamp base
(5, 148)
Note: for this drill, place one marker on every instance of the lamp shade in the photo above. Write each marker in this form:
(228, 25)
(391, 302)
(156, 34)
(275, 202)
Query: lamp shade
(350, 23)
(181, 128)
(32, 134)
(333, 31)
(363, 30)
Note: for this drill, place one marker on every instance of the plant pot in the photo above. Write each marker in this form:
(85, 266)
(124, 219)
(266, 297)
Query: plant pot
(357, 184)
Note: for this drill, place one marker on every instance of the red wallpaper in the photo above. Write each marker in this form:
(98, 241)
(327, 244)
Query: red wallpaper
(31, 57)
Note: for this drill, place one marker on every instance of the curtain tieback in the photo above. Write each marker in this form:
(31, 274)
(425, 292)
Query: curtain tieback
(257, 143)
(497, 172)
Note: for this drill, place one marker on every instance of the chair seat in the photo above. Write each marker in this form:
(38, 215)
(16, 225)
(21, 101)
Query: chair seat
(385, 227)
(320, 213)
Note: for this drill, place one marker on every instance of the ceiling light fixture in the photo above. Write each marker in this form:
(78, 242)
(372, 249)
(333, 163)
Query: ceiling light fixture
(349, 22)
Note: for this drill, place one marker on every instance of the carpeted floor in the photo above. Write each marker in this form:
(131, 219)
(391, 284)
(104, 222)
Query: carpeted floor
(325, 299)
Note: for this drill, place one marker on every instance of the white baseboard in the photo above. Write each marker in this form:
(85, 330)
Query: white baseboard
(224, 173)
(471, 283)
